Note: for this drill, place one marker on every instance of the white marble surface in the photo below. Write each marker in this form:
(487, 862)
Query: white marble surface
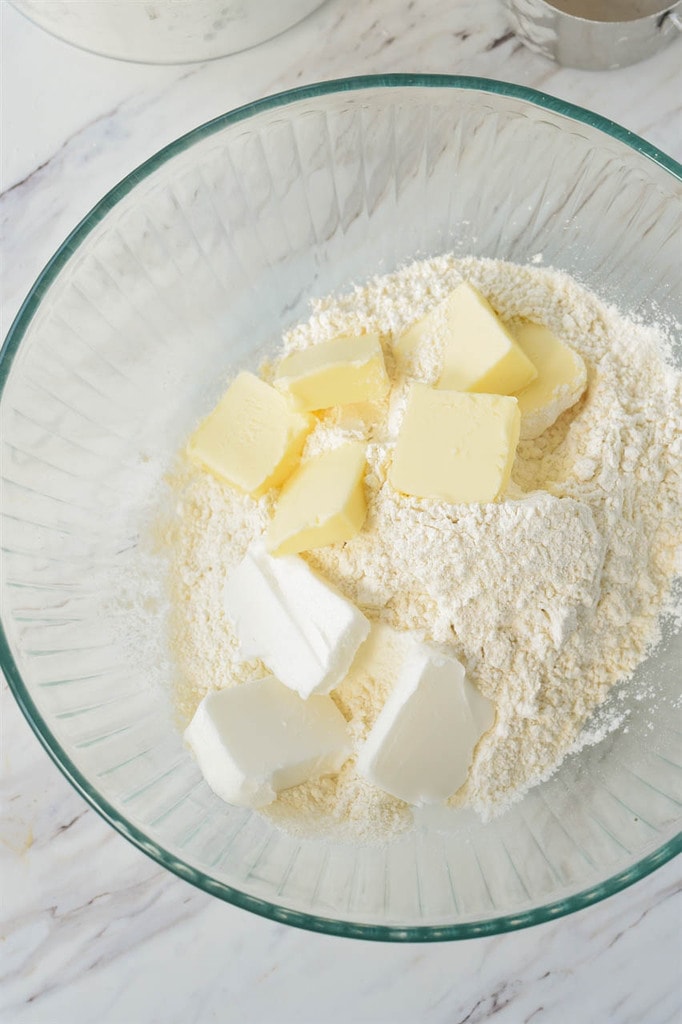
(92, 930)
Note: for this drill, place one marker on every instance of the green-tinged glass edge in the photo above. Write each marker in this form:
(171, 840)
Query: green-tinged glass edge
(298, 919)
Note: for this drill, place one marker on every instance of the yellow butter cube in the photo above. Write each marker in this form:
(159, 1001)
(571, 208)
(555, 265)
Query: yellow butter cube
(455, 446)
(322, 502)
(337, 372)
(560, 382)
(479, 353)
(253, 438)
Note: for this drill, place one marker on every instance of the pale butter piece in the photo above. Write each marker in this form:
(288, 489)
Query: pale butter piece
(322, 502)
(561, 379)
(253, 438)
(344, 370)
(455, 446)
(421, 745)
(479, 352)
(254, 740)
(297, 624)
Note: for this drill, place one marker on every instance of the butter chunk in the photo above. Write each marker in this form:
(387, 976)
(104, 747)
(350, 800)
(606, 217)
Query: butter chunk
(322, 502)
(479, 353)
(254, 740)
(455, 446)
(303, 629)
(253, 438)
(337, 372)
(560, 382)
(421, 746)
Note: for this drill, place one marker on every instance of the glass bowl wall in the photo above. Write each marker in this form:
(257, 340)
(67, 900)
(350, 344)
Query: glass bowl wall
(192, 267)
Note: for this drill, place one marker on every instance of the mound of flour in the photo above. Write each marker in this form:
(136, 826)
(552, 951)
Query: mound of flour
(548, 597)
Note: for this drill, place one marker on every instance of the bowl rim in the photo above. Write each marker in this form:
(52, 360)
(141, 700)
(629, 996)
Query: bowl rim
(276, 912)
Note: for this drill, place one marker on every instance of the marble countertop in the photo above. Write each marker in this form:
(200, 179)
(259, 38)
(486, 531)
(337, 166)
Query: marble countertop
(91, 929)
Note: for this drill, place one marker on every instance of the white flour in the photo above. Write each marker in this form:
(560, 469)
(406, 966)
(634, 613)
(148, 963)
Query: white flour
(548, 597)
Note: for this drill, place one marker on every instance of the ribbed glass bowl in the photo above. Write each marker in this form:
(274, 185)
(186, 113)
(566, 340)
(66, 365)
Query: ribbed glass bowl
(192, 267)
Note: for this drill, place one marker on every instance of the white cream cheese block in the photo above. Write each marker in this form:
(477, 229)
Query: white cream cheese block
(254, 740)
(421, 745)
(297, 624)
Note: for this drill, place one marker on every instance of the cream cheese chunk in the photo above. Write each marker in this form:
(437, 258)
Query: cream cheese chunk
(254, 740)
(253, 438)
(322, 502)
(421, 745)
(344, 370)
(479, 353)
(455, 446)
(297, 624)
(561, 379)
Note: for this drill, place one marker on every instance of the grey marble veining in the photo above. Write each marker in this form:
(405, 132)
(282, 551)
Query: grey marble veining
(91, 929)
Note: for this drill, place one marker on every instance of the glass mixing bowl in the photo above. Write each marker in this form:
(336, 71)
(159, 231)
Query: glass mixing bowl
(192, 267)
